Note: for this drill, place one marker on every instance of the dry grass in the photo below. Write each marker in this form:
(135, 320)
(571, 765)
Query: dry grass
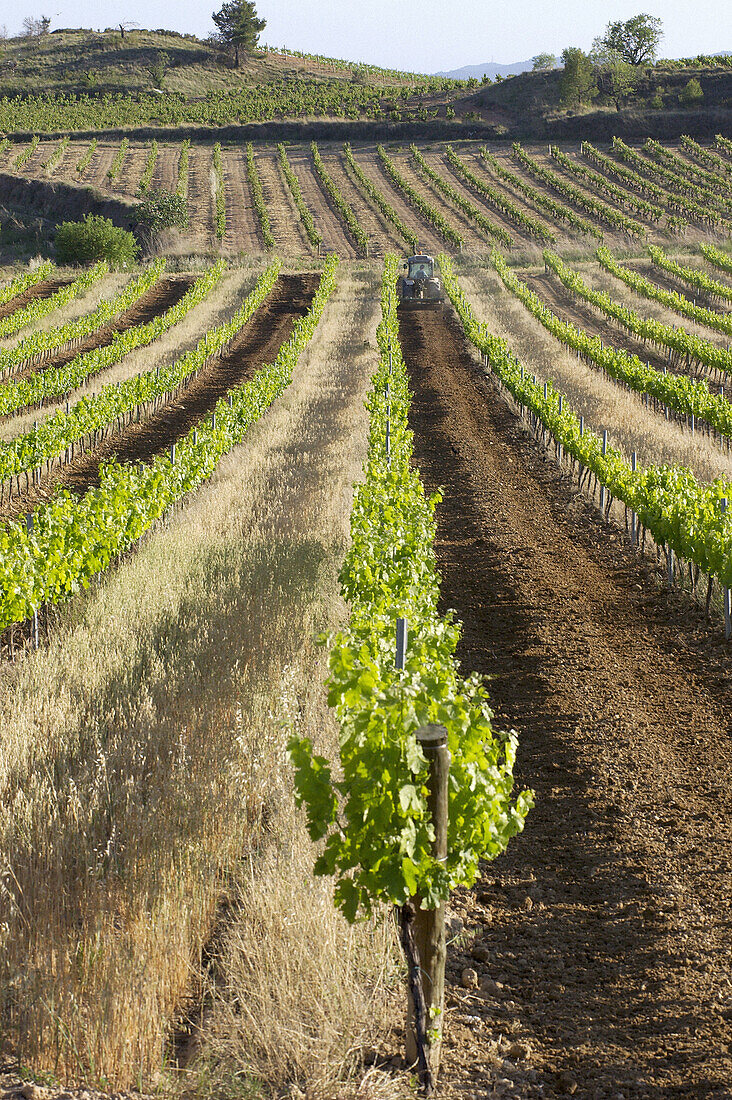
(107, 287)
(142, 748)
(603, 404)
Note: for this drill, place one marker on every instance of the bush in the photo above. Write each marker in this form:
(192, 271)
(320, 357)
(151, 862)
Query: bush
(95, 238)
(163, 210)
(692, 93)
(656, 102)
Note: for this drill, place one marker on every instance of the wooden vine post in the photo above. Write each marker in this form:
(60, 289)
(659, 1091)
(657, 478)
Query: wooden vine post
(423, 930)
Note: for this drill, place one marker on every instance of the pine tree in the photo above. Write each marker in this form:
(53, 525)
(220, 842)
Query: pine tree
(239, 26)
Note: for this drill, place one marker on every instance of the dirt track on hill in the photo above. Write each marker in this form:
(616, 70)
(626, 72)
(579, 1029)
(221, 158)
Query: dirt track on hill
(257, 343)
(601, 937)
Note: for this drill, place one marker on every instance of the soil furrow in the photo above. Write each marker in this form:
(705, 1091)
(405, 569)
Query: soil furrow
(166, 293)
(381, 233)
(285, 222)
(428, 238)
(601, 937)
(256, 344)
(44, 289)
(242, 224)
(327, 222)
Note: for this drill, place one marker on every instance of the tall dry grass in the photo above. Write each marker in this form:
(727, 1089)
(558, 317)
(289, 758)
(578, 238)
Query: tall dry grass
(603, 403)
(142, 771)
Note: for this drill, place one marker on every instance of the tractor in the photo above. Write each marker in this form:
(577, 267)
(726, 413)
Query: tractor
(418, 287)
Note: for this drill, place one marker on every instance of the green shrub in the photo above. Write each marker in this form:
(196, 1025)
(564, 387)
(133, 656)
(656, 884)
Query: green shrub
(163, 210)
(95, 238)
(656, 102)
(692, 93)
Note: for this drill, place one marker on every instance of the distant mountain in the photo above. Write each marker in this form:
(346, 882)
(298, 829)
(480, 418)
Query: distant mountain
(489, 67)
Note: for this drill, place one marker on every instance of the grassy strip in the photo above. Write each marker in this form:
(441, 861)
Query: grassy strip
(220, 195)
(429, 212)
(679, 513)
(56, 382)
(607, 214)
(602, 183)
(463, 204)
(556, 210)
(721, 322)
(22, 159)
(255, 186)
(372, 192)
(73, 539)
(85, 161)
(119, 401)
(331, 188)
(691, 275)
(51, 164)
(716, 257)
(119, 156)
(37, 343)
(146, 178)
(295, 190)
(41, 307)
(21, 283)
(499, 201)
(686, 396)
(681, 344)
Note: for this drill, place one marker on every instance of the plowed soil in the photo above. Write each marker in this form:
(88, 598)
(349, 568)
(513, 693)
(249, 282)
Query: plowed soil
(44, 289)
(285, 222)
(475, 241)
(601, 938)
(428, 240)
(328, 224)
(444, 169)
(167, 292)
(257, 344)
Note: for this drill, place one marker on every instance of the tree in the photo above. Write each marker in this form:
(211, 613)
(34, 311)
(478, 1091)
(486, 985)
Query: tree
(95, 238)
(158, 67)
(635, 40)
(577, 83)
(544, 61)
(618, 79)
(239, 26)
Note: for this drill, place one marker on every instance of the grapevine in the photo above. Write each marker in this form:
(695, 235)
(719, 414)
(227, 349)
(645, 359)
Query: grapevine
(41, 307)
(339, 202)
(375, 820)
(146, 179)
(716, 257)
(685, 396)
(255, 186)
(600, 210)
(679, 513)
(22, 159)
(433, 216)
(51, 164)
(85, 161)
(220, 196)
(45, 341)
(119, 156)
(295, 190)
(182, 184)
(602, 183)
(460, 201)
(57, 434)
(500, 201)
(543, 202)
(706, 156)
(374, 194)
(670, 298)
(692, 275)
(706, 182)
(723, 143)
(73, 539)
(28, 279)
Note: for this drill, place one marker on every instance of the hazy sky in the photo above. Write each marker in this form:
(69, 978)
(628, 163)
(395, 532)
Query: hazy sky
(423, 35)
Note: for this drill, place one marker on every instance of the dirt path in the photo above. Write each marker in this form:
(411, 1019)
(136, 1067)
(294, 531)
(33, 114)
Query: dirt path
(167, 292)
(43, 289)
(201, 217)
(428, 239)
(242, 225)
(131, 171)
(165, 175)
(601, 938)
(335, 236)
(284, 219)
(257, 344)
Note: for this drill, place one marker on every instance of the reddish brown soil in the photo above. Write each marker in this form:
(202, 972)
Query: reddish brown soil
(257, 343)
(601, 937)
(243, 233)
(381, 233)
(44, 289)
(327, 222)
(428, 239)
(475, 240)
(284, 218)
(443, 168)
(167, 292)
